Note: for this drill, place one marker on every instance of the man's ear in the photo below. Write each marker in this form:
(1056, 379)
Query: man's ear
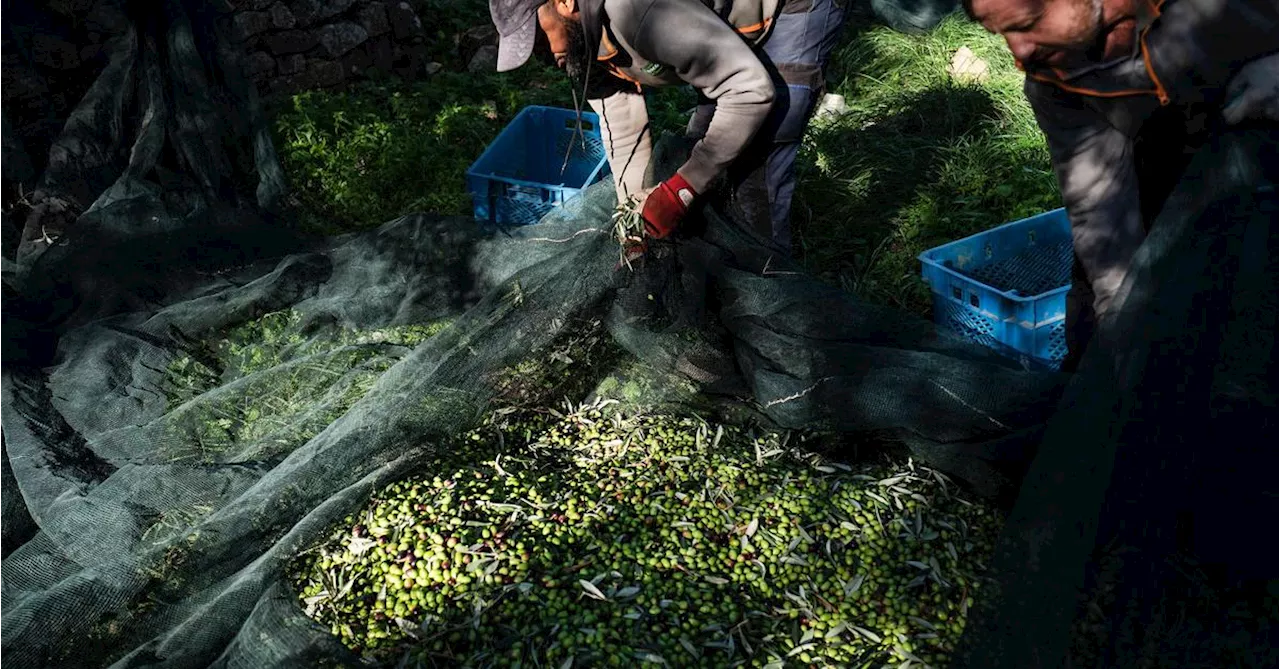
(566, 8)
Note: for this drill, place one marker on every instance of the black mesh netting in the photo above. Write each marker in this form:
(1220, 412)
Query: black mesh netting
(913, 16)
(193, 395)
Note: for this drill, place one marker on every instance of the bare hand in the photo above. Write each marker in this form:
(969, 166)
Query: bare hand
(1252, 91)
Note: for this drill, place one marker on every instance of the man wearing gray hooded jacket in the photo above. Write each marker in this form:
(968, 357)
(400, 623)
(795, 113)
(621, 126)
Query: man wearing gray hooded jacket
(756, 64)
(1126, 92)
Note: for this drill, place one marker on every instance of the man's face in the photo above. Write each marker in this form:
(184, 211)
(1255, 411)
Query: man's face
(560, 25)
(1053, 33)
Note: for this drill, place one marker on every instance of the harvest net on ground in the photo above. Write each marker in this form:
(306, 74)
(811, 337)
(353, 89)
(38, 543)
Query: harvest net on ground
(227, 444)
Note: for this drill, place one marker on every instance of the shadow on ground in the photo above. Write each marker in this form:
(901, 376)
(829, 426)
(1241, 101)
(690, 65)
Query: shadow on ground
(866, 181)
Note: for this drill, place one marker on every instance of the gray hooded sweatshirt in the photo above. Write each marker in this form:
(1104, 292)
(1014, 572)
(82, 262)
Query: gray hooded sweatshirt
(707, 44)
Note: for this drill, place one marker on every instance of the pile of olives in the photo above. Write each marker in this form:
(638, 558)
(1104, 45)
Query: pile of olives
(608, 541)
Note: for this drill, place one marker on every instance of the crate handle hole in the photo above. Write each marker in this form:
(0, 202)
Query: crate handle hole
(1031, 236)
(973, 299)
(572, 123)
(988, 250)
(957, 293)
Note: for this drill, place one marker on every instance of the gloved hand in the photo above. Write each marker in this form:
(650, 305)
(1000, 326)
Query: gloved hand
(666, 205)
(1252, 91)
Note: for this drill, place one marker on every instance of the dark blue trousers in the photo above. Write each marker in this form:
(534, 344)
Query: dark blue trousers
(763, 179)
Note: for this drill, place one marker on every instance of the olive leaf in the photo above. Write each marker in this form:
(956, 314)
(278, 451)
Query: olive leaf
(592, 590)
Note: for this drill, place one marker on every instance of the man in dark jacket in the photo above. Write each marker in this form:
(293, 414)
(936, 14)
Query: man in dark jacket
(1125, 91)
(757, 65)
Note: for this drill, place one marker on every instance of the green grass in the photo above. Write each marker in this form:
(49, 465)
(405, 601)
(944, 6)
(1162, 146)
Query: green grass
(362, 157)
(917, 161)
(383, 149)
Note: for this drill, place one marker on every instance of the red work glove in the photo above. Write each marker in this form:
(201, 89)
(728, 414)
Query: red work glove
(666, 205)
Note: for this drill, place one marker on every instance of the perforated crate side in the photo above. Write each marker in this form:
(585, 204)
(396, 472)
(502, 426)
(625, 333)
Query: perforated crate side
(1005, 288)
(584, 152)
(1053, 348)
(1041, 348)
(964, 321)
(510, 182)
(512, 212)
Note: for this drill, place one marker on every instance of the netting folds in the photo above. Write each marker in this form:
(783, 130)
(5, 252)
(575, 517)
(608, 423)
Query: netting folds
(193, 396)
(1152, 484)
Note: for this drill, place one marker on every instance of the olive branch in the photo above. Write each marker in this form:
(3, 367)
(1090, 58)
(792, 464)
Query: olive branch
(628, 227)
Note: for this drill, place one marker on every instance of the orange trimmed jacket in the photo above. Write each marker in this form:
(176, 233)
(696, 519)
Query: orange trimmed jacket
(708, 44)
(1186, 53)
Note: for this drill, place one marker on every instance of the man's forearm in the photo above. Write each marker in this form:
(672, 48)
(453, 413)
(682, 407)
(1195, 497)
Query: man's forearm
(734, 123)
(708, 55)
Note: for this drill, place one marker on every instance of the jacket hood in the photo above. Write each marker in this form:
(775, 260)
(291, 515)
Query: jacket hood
(592, 24)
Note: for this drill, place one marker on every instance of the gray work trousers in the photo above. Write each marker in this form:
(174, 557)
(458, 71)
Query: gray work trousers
(1162, 151)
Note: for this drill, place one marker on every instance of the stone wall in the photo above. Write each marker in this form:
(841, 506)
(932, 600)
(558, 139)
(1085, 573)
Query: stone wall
(53, 50)
(295, 45)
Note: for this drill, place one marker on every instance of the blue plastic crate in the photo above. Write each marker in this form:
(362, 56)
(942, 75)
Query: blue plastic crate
(1006, 288)
(523, 173)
